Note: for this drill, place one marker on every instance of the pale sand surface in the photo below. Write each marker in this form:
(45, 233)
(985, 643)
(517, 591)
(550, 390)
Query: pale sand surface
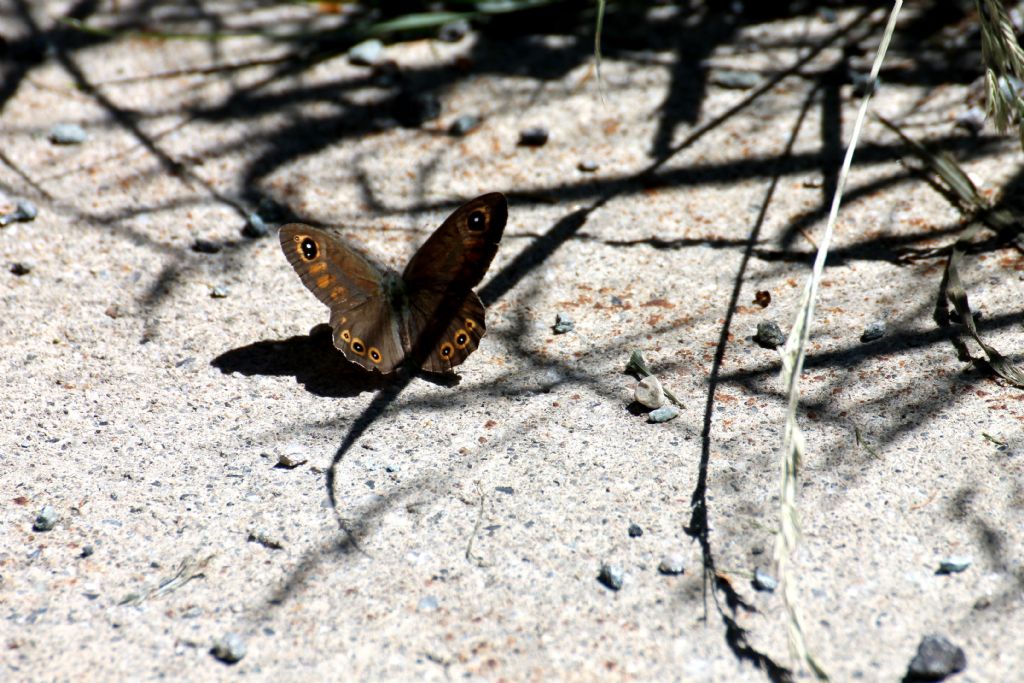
(154, 434)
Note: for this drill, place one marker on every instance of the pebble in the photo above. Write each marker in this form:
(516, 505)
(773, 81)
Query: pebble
(972, 120)
(463, 125)
(611, 576)
(862, 83)
(413, 109)
(18, 268)
(113, 311)
(367, 53)
(736, 80)
(87, 551)
(229, 649)
(292, 455)
(201, 246)
(255, 226)
(874, 330)
(24, 211)
(649, 393)
(533, 137)
(265, 539)
(936, 659)
(663, 414)
(428, 603)
(769, 335)
(954, 564)
(46, 519)
(671, 565)
(219, 292)
(453, 31)
(67, 134)
(635, 531)
(563, 323)
(763, 581)
(587, 166)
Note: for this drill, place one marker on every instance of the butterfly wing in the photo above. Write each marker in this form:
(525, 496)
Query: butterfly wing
(365, 326)
(454, 339)
(445, 319)
(457, 255)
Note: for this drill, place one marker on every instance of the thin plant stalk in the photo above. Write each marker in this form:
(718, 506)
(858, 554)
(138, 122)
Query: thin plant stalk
(793, 354)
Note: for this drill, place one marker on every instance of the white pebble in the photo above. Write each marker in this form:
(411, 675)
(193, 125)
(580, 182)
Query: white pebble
(649, 392)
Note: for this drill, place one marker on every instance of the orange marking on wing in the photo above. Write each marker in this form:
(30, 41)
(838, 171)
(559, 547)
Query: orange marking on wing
(317, 268)
(324, 281)
(339, 293)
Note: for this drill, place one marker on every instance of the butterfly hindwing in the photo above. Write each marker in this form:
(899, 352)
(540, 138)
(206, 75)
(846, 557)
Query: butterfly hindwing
(442, 346)
(364, 325)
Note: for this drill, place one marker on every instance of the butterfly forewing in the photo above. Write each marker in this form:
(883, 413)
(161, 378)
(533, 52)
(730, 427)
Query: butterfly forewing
(455, 258)
(364, 325)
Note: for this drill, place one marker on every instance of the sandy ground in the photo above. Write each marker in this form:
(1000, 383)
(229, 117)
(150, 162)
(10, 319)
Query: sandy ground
(473, 516)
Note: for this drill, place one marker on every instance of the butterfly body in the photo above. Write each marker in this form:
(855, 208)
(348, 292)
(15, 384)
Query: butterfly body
(429, 315)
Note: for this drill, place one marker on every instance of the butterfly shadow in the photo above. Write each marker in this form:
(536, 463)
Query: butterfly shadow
(314, 363)
(310, 358)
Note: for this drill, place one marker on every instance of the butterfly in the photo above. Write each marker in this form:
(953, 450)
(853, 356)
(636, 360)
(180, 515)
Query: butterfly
(429, 315)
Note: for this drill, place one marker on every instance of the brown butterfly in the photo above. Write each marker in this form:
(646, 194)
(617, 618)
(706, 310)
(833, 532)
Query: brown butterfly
(428, 315)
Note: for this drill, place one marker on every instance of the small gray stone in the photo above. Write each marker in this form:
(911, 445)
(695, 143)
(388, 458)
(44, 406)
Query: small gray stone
(663, 414)
(46, 519)
(972, 120)
(265, 539)
(219, 292)
(953, 565)
(611, 576)
(18, 268)
(201, 246)
(763, 581)
(463, 125)
(536, 136)
(367, 53)
(648, 392)
(292, 457)
(67, 134)
(862, 83)
(769, 335)
(635, 531)
(87, 551)
(563, 323)
(671, 565)
(936, 659)
(428, 603)
(229, 649)
(24, 211)
(587, 166)
(874, 330)
(735, 80)
(453, 31)
(255, 226)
